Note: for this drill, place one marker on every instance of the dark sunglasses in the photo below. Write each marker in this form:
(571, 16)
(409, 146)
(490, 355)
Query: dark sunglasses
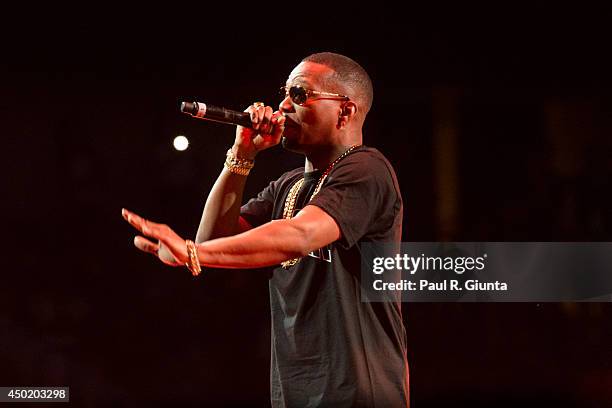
(299, 95)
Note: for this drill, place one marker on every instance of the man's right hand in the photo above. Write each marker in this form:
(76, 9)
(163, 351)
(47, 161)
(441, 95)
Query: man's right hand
(267, 130)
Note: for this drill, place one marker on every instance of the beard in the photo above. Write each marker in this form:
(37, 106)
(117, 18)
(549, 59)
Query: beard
(287, 143)
(291, 144)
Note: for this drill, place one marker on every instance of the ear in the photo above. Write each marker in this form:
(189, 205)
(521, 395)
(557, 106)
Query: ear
(348, 110)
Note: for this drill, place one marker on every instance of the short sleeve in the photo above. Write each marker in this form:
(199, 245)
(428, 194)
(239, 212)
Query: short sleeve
(362, 196)
(259, 210)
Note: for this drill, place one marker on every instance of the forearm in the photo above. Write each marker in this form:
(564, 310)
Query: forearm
(270, 244)
(222, 210)
(221, 216)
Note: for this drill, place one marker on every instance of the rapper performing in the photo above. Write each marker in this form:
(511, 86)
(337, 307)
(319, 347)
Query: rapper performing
(329, 347)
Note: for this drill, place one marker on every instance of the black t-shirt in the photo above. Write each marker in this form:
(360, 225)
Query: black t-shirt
(330, 349)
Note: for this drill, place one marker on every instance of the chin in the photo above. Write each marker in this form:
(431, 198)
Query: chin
(291, 140)
(290, 144)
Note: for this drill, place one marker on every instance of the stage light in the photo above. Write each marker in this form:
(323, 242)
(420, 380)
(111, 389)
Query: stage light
(181, 143)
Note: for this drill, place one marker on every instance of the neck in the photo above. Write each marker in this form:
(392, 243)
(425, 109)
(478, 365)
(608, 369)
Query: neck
(320, 160)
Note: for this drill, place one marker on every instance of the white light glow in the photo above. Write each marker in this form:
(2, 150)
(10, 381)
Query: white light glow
(181, 143)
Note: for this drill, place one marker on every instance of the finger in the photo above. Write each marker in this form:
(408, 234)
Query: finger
(134, 219)
(260, 111)
(148, 228)
(255, 116)
(166, 236)
(266, 125)
(278, 123)
(252, 111)
(145, 245)
(277, 117)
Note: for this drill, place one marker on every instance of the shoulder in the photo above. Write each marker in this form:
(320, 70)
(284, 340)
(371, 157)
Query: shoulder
(367, 163)
(367, 158)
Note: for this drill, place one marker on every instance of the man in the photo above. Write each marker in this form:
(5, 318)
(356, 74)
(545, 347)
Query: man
(329, 348)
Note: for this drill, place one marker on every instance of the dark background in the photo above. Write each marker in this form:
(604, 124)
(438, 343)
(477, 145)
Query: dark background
(497, 122)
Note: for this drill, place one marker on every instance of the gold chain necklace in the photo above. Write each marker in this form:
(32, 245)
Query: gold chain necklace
(295, 190)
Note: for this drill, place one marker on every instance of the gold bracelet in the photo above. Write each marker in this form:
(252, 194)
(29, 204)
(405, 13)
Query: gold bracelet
(193, 264)
(236, 165)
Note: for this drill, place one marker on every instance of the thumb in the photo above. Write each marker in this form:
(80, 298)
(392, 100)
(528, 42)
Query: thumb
(165, 255)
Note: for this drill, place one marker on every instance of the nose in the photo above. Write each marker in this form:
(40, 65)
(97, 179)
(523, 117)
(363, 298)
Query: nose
(286, 105)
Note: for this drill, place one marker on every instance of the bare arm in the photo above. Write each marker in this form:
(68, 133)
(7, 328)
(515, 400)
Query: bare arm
(221, 215)
(273, 242)
(269, 244)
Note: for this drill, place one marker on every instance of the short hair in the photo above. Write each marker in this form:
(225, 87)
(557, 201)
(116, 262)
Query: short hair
(348, 74)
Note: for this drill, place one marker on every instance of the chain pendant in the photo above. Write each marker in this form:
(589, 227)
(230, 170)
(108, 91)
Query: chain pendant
(295, 190)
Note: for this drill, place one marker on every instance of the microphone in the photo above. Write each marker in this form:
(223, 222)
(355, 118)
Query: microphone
(209, 112)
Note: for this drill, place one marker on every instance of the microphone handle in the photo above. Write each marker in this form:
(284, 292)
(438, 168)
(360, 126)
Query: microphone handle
(209, 112)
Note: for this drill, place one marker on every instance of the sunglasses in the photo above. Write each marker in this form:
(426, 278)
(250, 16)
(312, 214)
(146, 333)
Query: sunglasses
(299, 95)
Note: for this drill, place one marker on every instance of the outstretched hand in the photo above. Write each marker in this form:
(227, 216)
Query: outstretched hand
(170, 248)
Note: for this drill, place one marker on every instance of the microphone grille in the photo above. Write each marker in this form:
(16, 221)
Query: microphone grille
(189, 107)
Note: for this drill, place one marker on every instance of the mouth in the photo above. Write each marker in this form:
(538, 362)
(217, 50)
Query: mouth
(291, 127)
(290, 123)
